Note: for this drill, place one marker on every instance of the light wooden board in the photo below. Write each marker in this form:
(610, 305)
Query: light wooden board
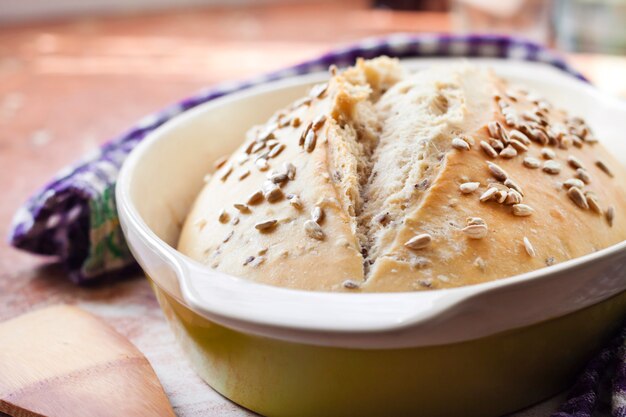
(61, 361)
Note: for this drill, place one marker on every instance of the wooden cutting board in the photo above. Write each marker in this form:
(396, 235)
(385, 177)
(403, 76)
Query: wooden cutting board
(61, 361)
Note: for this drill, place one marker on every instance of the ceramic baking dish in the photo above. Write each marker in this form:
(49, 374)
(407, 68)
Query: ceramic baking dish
(481, 350)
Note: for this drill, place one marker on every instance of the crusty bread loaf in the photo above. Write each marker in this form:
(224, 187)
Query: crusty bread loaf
(383, 180)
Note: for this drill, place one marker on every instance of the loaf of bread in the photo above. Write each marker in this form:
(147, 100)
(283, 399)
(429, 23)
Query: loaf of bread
(383, 180)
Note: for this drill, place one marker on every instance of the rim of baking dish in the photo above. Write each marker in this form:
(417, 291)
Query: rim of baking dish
(380, 320)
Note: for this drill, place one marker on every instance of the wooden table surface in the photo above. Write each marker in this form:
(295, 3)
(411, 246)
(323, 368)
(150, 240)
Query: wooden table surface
(67, 86)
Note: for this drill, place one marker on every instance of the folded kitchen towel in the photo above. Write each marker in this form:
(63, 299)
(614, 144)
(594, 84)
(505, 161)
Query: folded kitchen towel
(601, 389)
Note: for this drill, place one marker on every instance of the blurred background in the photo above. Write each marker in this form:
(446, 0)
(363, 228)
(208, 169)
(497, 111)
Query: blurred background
(74, 73)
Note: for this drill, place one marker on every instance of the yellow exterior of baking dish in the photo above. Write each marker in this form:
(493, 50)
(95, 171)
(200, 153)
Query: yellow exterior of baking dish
(485, 377)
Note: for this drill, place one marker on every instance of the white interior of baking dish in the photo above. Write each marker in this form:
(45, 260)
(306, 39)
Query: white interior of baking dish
(162, 176)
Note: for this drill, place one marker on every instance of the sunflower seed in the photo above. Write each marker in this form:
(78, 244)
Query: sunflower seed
(469, 187)
(513, 197)
(235, 221)
(522, 210)
(318, 122)
(575, 120)
(544, 106)
(279, 177)
(565, 141)
(243, 208)
(460, 144)
(257, 261)
(573, 182)
(604, 167)
(577, 141)
(266, 225)
(419, 241)
(248, 149)
(512, 95)
(518, 145)
(220, 162)
(272, 143)
(552, 167)
(470, 140)
(318, 90)
(244, 174)
(512, 120)
(268, 132)
(577, 196)
(304, 101)
(512, 184)
(476, 231)
(224, 216)
(276, 150)
(496, 144)
(226, 171)
(480, 264)
(305, 133)
(273, 193)
(426, 282)
(548, 153)
(532, 163)
(539, 136)
(593, 202)
(583, 175)
(290, 169)
(284, 121)
(517, 135)
(310, 141)
(508, 152)
(574, 162)
(255, 198)
(295, 202)
(248, 260)
(530, 117)
(317, 214)
(443, 278)
(530, 250)
(474, 221)
(262, 164)
(228, 236)
(313, 230)
(497, 131)
(488, 195)
(488, 149)
(349, 284)
(609, 214)
(500, 196)
(258, 146)
(497, 172)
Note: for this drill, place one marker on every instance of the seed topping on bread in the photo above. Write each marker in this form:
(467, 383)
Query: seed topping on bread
(419, 242)
(310, 173)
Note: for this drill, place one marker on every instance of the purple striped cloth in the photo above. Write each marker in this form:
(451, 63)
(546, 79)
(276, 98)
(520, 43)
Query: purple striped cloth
(74, 218)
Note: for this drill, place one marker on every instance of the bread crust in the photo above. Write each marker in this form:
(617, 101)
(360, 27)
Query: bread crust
(387, 165)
